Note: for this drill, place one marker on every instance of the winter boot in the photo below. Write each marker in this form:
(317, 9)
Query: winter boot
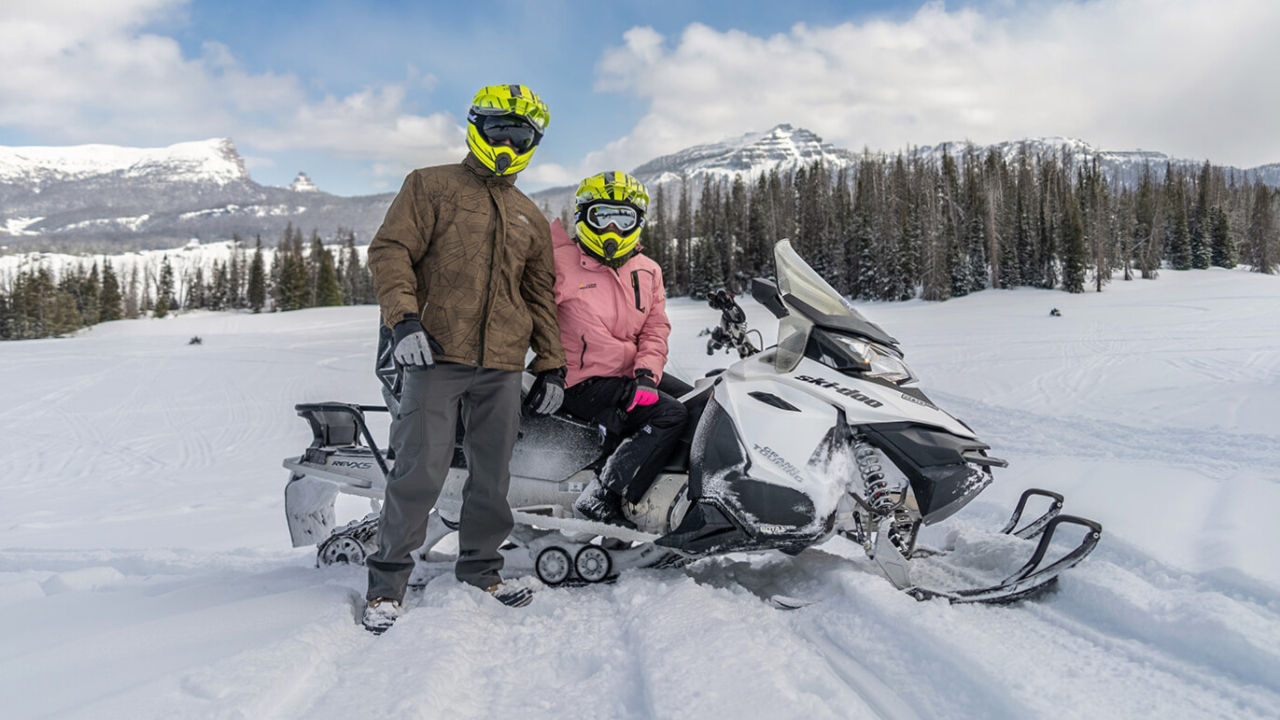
(380, 614)
(598, 504)
(510, 595)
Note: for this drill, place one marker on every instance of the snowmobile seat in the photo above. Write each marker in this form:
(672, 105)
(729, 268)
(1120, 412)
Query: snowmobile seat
(336, 424)
(674, 386)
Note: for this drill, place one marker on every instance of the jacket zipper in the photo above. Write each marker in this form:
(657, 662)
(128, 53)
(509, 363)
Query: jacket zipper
(488, 295)
(635, 285)
(582, 356)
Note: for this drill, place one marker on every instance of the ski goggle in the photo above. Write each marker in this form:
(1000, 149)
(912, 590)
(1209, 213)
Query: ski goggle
(497, 129)
(601, 215)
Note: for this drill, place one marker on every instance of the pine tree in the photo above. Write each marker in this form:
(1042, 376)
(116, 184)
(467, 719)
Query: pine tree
(735, 219)
(235, 269)
(257, 290)
(1177, 231)
(842, 231)
(759, 238)
(1145, 239)
(1222, 244)
(654, 239)
(684, 234)
(707, 275)
(315, 259)
(132, 302)
(1073, 247)
(1200, 224)
(6, 315)
(1261, 240)
(109, 300)
(219, 297)
(164, 289)
(197, 293)
(89, 298)
(328, 293)
(292, 284)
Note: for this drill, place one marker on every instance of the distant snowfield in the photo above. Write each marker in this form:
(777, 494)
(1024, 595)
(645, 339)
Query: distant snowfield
(146, 571)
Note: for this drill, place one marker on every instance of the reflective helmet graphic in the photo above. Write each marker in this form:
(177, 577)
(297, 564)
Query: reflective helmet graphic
(609, 211)
(505, 125)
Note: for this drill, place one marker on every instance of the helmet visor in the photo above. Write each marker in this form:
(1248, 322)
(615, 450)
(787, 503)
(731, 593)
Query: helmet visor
(499, 129)
(601, 215)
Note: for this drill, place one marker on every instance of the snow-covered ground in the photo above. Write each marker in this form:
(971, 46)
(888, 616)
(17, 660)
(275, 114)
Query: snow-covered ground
(146, 572)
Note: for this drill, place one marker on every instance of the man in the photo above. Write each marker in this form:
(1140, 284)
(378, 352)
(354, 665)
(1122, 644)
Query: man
(464, 273)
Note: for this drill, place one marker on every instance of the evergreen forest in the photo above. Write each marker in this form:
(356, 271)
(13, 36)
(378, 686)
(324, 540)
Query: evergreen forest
(885, 228)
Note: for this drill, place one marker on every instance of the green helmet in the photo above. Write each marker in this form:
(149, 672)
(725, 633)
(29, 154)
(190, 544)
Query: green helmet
(505, 125)
(609, 210)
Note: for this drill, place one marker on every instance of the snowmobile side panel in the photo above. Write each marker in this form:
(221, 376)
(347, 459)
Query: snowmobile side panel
(309, 509)
(716, 447)
(933, 461)
(705, 529)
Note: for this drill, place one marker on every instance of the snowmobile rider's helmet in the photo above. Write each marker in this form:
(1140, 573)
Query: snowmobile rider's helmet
(505, 125)
(609, 210)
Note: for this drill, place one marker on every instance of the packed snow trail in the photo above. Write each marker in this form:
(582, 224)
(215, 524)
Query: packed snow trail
(146, 569)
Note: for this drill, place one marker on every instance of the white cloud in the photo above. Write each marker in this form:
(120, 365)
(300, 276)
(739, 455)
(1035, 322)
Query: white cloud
(1192, 79)
(88, 72)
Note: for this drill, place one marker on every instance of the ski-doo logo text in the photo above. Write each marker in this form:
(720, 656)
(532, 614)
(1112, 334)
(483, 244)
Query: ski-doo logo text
(847, 392)
(772, 456)
(352, 464)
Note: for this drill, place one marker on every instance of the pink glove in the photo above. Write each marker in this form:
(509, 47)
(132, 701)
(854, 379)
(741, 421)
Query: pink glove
(646, 391)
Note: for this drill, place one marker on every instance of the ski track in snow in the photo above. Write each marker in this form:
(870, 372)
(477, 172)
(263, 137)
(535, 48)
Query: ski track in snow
(146, 572)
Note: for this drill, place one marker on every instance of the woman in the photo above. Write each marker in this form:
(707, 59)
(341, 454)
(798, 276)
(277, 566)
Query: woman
(613, 323)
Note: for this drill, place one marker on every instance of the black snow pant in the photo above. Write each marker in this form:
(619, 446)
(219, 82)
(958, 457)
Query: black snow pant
(423, 436)
(644, 437)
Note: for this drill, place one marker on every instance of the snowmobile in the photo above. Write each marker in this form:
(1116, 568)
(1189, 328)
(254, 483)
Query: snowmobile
(819, 435)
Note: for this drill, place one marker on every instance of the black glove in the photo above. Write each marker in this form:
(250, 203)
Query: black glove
(547, 392)
(412, 347)
(642, 391)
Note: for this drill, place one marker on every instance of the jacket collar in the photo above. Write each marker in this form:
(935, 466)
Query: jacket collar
(472, 163)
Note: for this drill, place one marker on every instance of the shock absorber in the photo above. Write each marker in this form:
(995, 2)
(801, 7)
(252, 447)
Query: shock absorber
(877, 489)
(875, 486)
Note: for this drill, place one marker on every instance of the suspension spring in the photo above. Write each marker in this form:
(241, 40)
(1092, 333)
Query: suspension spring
(874, 483)
(879, 493)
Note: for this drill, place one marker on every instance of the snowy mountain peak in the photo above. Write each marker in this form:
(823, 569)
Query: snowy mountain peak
(783, 147)
(215, 161)
(303, 183)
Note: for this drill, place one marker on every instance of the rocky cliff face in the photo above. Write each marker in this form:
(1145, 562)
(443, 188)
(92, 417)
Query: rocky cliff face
(104, 196)
(785, 148)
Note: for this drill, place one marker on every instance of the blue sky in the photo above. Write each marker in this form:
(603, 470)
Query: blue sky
(356, 94)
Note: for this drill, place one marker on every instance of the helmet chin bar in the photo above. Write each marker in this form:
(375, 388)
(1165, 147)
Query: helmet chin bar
(502, 162)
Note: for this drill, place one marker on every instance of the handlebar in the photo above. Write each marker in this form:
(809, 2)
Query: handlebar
(732, 331)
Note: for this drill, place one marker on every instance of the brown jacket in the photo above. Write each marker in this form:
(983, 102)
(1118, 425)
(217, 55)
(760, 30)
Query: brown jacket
(472, 255)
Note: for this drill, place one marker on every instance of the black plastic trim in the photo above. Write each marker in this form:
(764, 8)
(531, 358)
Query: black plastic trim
(774, 400)
(842, 323)
(933, 461)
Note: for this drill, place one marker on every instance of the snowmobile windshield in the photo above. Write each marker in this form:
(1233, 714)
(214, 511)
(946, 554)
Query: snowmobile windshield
(812, 302)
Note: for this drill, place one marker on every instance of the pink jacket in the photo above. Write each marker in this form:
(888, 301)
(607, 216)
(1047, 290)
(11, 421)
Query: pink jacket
(612, 322)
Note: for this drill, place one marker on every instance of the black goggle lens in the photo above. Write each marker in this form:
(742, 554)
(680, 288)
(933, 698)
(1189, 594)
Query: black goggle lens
(508, 128)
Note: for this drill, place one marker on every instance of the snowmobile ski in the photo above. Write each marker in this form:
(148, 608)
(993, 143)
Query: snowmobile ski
(1033, 577)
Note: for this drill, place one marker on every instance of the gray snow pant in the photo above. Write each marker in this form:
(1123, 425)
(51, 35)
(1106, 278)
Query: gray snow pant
(423, 436)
